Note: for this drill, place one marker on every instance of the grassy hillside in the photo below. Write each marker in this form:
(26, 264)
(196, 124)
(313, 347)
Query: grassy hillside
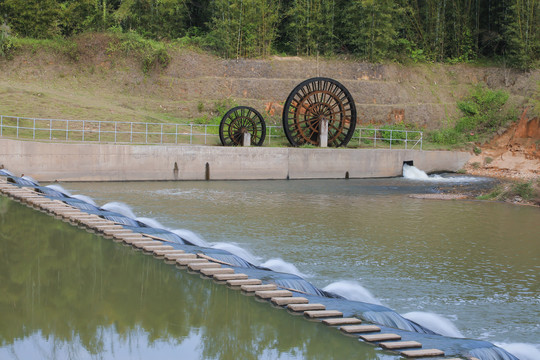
(122, 77)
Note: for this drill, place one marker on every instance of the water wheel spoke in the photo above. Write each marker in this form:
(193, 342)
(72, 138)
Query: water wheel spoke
(241, 120)
(314, 100)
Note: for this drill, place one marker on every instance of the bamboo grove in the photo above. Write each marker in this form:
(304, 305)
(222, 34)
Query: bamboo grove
(375, 30)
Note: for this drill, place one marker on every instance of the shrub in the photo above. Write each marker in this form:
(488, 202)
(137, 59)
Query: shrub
(483, 114)
(447, 136)
(6, 41)
(151, 53)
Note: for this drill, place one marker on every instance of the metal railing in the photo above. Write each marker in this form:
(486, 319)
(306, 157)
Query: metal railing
(167, 133)
(368, 137)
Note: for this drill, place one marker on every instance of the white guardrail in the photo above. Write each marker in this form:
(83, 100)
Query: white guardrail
(169, 133)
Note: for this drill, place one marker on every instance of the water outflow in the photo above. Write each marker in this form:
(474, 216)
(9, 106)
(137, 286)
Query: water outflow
(521, 350)
(435, 322)
(413, 173)
(352, 290)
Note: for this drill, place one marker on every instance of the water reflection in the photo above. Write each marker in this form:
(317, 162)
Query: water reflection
(66, 293)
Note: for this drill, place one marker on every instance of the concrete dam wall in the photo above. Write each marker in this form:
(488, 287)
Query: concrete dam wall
(111, 162)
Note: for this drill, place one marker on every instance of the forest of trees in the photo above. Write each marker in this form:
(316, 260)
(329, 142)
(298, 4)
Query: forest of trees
(503, 31)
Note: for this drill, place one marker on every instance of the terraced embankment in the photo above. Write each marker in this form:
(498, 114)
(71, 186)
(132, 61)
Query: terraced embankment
(95, 83)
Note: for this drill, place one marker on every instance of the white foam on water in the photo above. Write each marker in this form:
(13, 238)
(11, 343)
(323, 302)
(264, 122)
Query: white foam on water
(352, 290)
(435, 322)
(151, 222)
(522, 351)
(59, 188)
(29, 178)
(86, 199)
(120, 208)
(281, 265)
(190, 236)
(7, 172)
(413, 173)
(238, 251)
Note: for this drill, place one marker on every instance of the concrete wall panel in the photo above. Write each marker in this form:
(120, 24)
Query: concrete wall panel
(109, 162)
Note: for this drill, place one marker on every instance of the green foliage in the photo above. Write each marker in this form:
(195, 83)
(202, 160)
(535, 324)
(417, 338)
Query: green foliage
(526, 190)
(370, 28)
(493, 194)
(243, 28)
(6, 42)
(154, 18)
(447, 136)
(219, 109)
(60, 46)
(32, 18)
(151, 53)
(452, 31)
(483, 112)
(311, 26)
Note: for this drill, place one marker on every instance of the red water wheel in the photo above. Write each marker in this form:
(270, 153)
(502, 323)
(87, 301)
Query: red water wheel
(314, 100)
(239, 121)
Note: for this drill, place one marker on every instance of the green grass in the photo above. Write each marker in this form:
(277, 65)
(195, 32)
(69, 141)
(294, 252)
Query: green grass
(484, 112)
(525, 190)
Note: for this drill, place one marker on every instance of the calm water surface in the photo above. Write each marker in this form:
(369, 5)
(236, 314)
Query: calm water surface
(69, 294)
(475, 264)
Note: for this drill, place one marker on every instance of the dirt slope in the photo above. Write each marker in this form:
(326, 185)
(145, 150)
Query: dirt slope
(99, 84)
(514, 154)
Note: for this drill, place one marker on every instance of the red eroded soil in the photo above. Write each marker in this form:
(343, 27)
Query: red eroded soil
(513, 154)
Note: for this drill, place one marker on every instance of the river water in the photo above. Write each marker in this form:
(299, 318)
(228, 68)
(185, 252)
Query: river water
(461, 268)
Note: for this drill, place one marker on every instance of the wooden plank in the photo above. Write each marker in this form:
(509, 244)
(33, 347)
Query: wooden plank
(400, 345)
(316, 314)
(141, 244)
(137, 240)
(203, 256)
(422, 353)
(120, 231)
(280, 300)
(353, 329)
(253, 288)
(160, 246)
(174, 257)
(186, 262)
(164, 252)
(305, 307)
(241, 282)
(380, 337)
(267, 294)
(109, 226)
(212, 272)
(225, 277)
(209, 265)
(342, 321)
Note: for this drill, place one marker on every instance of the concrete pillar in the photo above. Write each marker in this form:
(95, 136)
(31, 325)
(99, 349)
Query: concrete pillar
(323, 134)
(246, 141)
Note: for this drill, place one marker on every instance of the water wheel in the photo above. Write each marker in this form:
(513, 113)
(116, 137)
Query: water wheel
(314, 100)
(239, 121)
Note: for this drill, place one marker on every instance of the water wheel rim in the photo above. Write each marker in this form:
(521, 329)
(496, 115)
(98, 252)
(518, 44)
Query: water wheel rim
(238, 121)
(310, 102)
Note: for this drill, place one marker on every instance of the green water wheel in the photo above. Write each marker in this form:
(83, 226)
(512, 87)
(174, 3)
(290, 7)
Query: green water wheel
(314, 100)
(239, 121)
